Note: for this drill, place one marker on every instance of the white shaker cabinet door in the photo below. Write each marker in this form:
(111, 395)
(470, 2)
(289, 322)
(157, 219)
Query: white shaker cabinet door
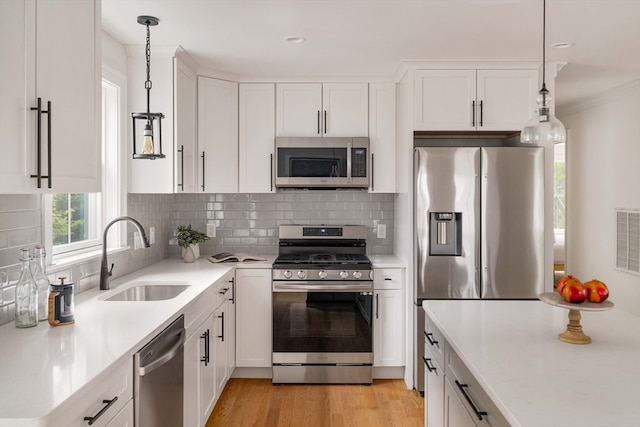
(445, 100)
(256, 137)
(217, 136)
(253, 318)
(31, 34)
(298, 109)
(185, 109)
(508, 98)
(345, 109)
(382, 137)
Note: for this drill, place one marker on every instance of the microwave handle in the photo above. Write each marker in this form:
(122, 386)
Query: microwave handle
(349, 146)
(372, 174)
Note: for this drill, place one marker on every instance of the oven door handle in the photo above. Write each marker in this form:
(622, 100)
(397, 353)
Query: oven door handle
(322, 287)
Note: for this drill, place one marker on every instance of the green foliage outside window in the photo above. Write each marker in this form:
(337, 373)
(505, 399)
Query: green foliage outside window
(69, 218)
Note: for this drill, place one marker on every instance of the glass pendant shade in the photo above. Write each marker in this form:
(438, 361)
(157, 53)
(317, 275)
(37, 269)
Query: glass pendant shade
(543, 126)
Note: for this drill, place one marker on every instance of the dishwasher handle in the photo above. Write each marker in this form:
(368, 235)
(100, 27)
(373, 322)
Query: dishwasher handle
(170, 354)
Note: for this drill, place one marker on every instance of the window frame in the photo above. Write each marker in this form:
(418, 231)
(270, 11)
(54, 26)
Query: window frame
(112, 200)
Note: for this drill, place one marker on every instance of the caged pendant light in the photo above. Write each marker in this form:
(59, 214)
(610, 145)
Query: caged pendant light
(152, 129)
(543, 126)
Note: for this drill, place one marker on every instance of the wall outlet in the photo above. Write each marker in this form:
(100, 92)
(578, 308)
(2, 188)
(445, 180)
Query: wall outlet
(211, 229)
(382, 231)
(137, 240)
(152, 235)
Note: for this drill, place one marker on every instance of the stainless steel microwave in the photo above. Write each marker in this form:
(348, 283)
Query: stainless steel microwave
(307, 162)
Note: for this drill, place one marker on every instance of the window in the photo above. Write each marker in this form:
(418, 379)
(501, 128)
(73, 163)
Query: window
(559, 188)
(75, 221)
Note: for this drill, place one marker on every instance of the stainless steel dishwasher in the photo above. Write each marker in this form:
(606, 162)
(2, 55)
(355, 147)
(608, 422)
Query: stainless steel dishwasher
(159, 369)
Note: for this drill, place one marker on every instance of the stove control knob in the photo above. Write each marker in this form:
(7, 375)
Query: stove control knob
(287, 274)
(301, 274)
(344, 274)
(357, 274)
(322, 274)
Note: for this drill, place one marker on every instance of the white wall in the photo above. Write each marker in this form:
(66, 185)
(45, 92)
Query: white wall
(603, 173)
(114, 54)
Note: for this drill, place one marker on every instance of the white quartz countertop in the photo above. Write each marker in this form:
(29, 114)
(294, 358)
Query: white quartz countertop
(512, 349)
(387, 261)
(43, 366)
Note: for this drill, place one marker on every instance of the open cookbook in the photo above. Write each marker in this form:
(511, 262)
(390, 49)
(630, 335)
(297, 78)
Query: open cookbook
(237, 257)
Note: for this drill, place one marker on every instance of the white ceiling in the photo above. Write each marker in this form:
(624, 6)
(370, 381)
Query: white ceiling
(371, 38)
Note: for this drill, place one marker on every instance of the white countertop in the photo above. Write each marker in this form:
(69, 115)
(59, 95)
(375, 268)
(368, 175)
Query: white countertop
(512, 349)
(387, 261)
(43, 366)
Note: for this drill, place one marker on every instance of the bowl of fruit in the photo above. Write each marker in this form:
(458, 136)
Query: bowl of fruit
(577, 296)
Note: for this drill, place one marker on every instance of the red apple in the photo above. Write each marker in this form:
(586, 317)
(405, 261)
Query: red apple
(596, 291)
(564, 281)
(574, 292)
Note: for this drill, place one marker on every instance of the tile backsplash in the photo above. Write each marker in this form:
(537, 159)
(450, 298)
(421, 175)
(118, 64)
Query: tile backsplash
(244, 223)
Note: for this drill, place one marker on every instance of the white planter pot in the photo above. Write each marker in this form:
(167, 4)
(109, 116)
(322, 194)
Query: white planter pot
(191, 253)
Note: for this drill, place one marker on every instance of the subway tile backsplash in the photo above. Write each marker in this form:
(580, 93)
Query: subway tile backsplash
(244, 223)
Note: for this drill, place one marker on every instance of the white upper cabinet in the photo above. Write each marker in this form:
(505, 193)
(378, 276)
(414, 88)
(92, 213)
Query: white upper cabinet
(256, 137)
(31, 35)
(315, 109)
(382, 137)
(185, 100)
(469, 100)
(217, 135)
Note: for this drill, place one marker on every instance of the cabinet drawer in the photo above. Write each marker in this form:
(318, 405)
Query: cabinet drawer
(469, 390)
(387, 278)
(434, 342)
(224, 288)
(93, 400)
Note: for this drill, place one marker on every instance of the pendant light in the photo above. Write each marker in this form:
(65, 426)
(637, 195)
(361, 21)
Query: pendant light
(152, 129)
(543, 127)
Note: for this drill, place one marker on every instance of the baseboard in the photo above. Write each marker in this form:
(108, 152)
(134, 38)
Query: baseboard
(388, 373)
(251, 373)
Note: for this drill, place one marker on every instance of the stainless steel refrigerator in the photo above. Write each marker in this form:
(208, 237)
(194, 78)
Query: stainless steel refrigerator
(479, 227)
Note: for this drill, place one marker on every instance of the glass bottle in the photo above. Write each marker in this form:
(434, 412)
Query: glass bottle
(42, 282)
(26, 294)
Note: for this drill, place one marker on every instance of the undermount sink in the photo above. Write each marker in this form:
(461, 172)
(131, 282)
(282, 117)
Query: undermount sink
(149, 291)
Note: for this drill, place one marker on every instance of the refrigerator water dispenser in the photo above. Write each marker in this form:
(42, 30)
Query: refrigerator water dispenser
(445, 233)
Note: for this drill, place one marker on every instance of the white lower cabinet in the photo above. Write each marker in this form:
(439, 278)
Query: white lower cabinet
(104, 403)
(388, 318)
(206, 351)
(253, 317)
(124, 418)
(453, 397)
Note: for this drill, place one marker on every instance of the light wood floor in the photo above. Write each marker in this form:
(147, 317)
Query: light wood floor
(256, 402)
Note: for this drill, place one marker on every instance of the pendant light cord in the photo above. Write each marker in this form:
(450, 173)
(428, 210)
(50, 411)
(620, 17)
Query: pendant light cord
(147, 84)
(544, 90)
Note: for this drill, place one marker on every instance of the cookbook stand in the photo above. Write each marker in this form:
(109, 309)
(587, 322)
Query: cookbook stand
(574, 334)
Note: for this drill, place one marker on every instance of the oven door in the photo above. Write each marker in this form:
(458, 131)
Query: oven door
(326, 317)
(322, 332)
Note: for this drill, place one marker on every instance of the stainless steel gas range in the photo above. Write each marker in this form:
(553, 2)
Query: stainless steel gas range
(322, 306)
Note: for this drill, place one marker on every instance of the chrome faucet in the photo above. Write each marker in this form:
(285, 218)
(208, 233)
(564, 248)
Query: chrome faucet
(105, 273)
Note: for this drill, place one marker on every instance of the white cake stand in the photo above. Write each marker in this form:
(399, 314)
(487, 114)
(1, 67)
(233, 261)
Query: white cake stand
(574, 334)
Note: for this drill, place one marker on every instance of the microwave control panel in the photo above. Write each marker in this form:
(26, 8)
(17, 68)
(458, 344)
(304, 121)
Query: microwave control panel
(358, 162)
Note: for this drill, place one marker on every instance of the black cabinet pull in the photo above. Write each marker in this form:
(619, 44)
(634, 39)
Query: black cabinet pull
(206, 357)
(427, 362)
(325, 122)
(233, 290)
(181, 151)
(430, 338)
(473, 113)
(481, 114)
(318, 122)
(462, 387)
(202, 171)
(222, 317)
(271, 172)
(223, 291)
(40, 112)
(102, 411)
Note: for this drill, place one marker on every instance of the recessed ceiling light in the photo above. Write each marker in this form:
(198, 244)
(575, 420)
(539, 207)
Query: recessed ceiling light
(294, 39)
(562, 45)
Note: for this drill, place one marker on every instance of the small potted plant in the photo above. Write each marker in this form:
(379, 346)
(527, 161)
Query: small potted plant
(189, 241)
